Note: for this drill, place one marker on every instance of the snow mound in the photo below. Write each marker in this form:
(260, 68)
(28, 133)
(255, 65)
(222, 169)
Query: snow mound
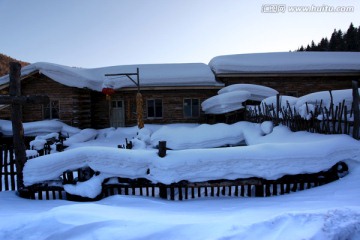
(203, 136)
(83, 136)
(231, 98)
(39, 128)
(257, 92)
(225, 102)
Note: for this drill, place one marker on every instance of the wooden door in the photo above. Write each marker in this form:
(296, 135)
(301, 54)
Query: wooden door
(117, 113)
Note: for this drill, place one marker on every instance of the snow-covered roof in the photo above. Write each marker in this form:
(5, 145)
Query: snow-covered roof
(287, 62)
(151, 75)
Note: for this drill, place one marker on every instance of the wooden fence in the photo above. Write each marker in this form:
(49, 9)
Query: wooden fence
(8, 173)
(337, 119)
(7, 169)
(250, 187)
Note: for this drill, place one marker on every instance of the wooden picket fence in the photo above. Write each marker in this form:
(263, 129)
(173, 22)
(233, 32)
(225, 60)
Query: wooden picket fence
(250, 187)
(8, 173)
(337, 119)
(7, 169)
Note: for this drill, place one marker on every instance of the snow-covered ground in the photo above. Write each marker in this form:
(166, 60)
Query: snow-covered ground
(331, 211)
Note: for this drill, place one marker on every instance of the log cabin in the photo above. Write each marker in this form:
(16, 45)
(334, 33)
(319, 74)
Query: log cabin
(173, 93)
(290, 73)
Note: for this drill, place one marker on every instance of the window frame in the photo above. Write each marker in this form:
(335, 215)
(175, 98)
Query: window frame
(155, 110)
(191, 108)
(50, 109)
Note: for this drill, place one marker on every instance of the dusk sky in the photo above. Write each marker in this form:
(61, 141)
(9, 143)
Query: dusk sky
(97, 33)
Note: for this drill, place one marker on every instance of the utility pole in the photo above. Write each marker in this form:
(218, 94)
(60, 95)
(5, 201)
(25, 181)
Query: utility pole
(139, 99)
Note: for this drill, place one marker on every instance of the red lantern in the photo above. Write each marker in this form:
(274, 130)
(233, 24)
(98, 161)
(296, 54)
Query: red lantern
(108, 92)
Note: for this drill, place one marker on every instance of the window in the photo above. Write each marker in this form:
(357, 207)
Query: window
(191, 107)
(116, 104)
(51, 110)
(154, 108)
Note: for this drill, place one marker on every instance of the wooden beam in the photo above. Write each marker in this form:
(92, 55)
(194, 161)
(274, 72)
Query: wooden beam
(17, 127)
(355, 87)
(24, 99)
(290, 74)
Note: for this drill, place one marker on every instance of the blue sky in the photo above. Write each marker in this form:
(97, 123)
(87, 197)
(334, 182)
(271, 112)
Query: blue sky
(96, 33)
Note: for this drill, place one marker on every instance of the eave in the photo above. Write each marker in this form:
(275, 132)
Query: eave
(291, 74)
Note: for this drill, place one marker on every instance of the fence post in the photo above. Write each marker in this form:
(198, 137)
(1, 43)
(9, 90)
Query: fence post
(278, 105)
(162, 149)
(355, 87)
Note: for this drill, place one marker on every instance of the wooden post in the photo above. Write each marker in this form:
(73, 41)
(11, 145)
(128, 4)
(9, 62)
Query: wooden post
(16, 101)
(278, 105)
(355, 87)
(162, 149)
(16, 118)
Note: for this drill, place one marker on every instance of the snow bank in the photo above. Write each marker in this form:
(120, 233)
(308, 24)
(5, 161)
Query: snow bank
(39, 128)
(204, 136)
(279, 153)
(83, 136)
(287, 62)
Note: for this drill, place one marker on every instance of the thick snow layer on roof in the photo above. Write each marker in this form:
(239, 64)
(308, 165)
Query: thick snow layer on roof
(231, 98)
(287, 62)
(180, 74)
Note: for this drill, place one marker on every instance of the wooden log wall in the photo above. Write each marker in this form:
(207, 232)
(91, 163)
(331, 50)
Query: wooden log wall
(295, 85)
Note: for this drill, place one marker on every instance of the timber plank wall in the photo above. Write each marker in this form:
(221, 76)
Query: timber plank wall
(74, 103)
(298, 86)
(172, 101)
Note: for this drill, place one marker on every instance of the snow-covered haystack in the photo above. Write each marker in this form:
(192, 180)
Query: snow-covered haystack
(231, 98)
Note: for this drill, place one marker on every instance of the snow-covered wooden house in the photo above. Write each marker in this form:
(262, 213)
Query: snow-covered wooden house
(290, 73)
(174, 92)
(171, 93)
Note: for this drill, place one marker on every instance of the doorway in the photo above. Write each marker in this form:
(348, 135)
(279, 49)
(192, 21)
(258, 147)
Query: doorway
(117, 113)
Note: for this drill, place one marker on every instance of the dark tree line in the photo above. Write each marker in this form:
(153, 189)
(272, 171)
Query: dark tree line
(339, 41)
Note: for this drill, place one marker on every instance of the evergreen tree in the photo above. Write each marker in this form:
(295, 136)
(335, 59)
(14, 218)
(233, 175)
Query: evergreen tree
(350, 41)
(323, 45)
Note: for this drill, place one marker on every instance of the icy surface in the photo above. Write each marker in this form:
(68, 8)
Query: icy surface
(286, 62)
